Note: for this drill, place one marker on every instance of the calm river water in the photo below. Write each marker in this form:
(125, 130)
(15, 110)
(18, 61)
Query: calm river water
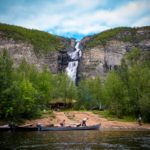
(75, 140)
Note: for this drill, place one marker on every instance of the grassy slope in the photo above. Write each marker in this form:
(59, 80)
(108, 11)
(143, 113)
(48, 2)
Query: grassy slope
(43, 42)
(125, 34)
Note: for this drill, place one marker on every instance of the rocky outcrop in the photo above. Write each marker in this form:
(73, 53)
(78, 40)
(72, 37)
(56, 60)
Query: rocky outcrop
(102, 57)
(100, 53)
(63, 59)
(36, 47)
(56, 61)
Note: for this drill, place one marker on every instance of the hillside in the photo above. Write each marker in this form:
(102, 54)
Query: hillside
(36, 47)
(125, 34)
(101, 52)
(43, 42)
(104, 51)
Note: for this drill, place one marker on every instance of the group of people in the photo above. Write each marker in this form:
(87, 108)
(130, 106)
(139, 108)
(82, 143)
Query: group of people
(83, 123)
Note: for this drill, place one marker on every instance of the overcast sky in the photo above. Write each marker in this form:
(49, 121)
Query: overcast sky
(75, 18)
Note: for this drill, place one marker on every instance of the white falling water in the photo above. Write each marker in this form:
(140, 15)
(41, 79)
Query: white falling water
(73, 64)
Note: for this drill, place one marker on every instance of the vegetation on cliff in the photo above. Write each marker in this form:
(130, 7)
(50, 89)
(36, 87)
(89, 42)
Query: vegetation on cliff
(43, 42)
(125, 34)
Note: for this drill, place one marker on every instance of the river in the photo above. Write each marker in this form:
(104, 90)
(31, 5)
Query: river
(75, 140)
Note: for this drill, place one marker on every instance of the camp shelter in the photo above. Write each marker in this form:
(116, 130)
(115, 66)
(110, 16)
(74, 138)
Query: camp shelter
(61, 104)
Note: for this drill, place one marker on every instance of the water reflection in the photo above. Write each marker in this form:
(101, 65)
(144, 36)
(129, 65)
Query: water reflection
(75, 140)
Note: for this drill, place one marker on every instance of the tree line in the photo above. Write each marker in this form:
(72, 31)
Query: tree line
(25, 91)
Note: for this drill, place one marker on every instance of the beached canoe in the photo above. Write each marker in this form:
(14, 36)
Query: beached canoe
(43, 128)
(18, 128)
(4, 128)
(93, 127)
(29, 128)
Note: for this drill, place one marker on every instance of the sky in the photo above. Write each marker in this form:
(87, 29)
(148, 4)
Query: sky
(75, 18)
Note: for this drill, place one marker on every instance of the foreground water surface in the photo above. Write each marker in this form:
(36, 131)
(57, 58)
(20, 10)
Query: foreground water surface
(75, 140)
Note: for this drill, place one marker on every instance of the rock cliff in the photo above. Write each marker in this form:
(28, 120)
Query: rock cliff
(103, 52)
(100, 53)
(34, 47)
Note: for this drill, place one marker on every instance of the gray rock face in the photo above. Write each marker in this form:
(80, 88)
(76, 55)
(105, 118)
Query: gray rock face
(63, 59)
(20, 50)
(100, 59)
(97, 60)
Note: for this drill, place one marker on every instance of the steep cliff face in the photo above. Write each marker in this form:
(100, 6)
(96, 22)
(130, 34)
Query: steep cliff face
(100, 53)
(51, 53)
(103, 52)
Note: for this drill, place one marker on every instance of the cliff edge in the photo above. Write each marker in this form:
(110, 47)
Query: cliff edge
(103, 52)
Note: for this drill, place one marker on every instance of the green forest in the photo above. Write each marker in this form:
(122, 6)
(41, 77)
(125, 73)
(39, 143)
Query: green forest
(25, 92)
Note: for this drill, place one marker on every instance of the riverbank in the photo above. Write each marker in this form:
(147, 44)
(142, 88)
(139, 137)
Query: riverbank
(74, 117)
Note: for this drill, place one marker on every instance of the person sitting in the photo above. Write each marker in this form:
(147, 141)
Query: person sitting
(84, 122)
(78, 125)
(62, 124)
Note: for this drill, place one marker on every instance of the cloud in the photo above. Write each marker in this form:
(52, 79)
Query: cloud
(143, 21)
(77, 17)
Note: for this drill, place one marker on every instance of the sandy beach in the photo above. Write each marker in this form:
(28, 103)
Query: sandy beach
(75, 117)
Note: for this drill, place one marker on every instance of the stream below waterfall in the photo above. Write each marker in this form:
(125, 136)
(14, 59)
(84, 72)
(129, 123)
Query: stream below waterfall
(74, 62)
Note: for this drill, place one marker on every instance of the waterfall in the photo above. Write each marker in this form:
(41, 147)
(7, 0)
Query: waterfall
(73, 63)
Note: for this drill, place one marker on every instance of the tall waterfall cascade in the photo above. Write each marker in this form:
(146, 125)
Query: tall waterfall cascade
(74, 62)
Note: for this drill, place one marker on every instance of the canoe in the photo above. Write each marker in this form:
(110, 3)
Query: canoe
(18, 128)
(42, 128)
(93, 127)
(27, 128)
(4, 128)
